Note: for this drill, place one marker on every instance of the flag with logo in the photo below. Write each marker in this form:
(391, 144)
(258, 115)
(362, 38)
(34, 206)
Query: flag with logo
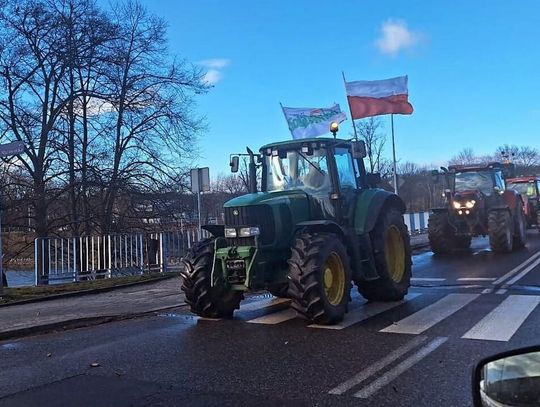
(306, 122)
(372, 98)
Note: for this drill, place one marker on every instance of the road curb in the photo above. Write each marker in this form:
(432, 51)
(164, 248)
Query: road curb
(87, 292)
(78, 323)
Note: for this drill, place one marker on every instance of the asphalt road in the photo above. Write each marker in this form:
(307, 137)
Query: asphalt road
(418, 352)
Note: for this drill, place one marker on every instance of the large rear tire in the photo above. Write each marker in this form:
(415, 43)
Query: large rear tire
(500, 229)
(441, 235)
(205, 300)
(392, 252)
(320, 277)
(520, 228)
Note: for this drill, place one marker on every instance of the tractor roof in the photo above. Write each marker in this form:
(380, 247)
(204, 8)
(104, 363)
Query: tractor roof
(301, 142)
(523, 179)
(475, 167)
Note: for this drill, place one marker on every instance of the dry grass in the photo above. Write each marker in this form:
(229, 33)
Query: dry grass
(25, 293)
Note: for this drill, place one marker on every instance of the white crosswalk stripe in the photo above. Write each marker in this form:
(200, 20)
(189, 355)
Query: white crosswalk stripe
(427, 317)
(364, 312)
(503, 322)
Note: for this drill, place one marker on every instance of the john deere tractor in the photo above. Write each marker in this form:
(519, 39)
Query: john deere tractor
(477, 203)
(317, 224)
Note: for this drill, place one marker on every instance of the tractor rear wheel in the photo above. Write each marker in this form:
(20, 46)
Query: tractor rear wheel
(538, 219)
(520, 231)
(500, 230)
(392, 252)
(279, 290)
(205, 300)
(320, 277)
(440, 233)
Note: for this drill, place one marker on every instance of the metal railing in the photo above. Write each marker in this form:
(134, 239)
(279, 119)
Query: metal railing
(416, 222)
(92, 257)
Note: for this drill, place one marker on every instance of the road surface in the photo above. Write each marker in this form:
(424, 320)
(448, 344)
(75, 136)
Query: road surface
(417, 352)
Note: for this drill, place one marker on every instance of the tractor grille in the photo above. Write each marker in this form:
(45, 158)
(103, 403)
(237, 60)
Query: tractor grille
(258, 215)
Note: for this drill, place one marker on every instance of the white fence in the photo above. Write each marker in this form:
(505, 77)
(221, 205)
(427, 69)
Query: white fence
(90, 257)
(416, 222)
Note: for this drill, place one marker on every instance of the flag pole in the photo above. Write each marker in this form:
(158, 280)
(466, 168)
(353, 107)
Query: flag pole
(350, 111)
(396, 190)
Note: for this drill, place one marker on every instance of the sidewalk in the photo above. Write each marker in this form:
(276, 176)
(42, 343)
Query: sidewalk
(90, 309)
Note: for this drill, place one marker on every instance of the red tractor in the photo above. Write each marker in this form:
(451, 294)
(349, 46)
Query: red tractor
(528, 187)
(477, 203)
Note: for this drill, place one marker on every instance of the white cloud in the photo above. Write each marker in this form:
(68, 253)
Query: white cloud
(214, 63)
(396, 36)
(214, 66)
(212, 77)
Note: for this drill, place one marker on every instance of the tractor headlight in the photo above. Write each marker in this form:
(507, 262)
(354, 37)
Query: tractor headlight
(457, 205)
(470, 204)
(248, 232)
(230, 232)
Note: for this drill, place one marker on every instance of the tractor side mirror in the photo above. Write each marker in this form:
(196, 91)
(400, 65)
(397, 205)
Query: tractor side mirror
(373, 179)
(235, 163)
(358, 149)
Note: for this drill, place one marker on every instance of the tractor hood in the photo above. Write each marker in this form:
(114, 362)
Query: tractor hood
(270, 198)
(468, 194)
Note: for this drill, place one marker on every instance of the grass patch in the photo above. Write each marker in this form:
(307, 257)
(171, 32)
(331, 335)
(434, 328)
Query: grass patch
(25, 293)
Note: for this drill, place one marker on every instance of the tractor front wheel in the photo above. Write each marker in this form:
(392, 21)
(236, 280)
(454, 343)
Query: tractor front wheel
(205, 300)
(500, 229)
(441, 235)
(392, 252)
(320, 277)
(520, 232)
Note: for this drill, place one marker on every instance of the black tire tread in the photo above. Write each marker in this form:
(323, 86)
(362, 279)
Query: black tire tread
(440, 234)
(498, 222)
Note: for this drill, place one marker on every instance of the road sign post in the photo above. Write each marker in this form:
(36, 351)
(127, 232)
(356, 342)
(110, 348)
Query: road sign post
(7, 149)
(200, 182)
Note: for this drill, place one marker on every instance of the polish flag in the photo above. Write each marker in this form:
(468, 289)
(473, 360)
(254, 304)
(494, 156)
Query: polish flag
(372, 98)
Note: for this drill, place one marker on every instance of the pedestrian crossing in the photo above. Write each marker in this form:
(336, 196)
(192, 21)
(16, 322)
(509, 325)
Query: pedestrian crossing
(497, 319)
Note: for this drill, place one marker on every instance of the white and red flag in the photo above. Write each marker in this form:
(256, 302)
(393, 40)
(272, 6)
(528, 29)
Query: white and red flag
(372, 98)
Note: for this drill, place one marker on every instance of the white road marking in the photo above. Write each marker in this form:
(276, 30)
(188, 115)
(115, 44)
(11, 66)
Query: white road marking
(503, 322)
(275, 318)
(263, 304)
(431, 315)
(523, 273)
(516, 269)
(414, 279)
(377, 366)
(501, 291)
(391, 375)
(476, 279)
(365, 311)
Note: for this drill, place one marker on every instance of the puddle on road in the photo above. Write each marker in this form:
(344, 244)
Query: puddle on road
(10, 346)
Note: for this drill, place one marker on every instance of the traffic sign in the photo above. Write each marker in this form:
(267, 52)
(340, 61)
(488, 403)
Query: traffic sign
(13, 148)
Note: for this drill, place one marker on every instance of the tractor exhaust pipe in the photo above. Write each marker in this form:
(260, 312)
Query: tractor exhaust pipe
(252, 172)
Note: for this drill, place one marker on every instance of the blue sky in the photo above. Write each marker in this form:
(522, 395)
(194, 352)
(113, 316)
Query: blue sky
(473, 68)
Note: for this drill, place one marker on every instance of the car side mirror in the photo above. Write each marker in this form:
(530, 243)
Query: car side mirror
(373, 179)
(508, 379)
(235, 163)
(358, 149)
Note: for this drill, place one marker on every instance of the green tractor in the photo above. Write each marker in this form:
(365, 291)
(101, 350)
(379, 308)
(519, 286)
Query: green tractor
(318, 224)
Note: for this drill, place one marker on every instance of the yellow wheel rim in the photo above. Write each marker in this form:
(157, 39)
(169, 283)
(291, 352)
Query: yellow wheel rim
(395, 253)
(334, 279)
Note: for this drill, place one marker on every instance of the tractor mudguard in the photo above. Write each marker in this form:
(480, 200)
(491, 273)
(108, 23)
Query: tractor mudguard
(369, 204)
(215, 230)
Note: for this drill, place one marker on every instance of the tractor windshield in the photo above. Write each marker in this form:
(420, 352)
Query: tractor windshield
(524, 188)
(295, 170)
(474, 180)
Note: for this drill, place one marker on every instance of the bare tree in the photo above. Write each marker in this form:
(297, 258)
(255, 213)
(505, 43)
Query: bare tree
(370, 131)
